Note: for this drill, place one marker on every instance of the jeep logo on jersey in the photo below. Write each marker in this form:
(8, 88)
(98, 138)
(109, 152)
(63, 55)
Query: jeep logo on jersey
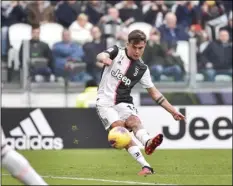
(121, 77)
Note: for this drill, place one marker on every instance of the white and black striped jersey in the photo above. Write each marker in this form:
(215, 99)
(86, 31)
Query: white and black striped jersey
(120, 77)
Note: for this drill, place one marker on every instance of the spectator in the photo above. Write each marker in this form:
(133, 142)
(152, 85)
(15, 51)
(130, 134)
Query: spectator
(204, 41)
(227, 5)
(111, 3)
(91, 50)
(162, 61)
(11, 13)
(121, 36)
(210, 10)
(170, 32)
(174, 65)
(67, 12)
(229, 27)
(66, 52)
(80, 29)
(217, 57)
(87, 98)
(55, 3)
(129, 11)
(39, 12)
(39, 49)
(95, 10)
(24, 4)
(110, 25)
(145, 6)
(156, 13)
(187, 14)
(196, 31)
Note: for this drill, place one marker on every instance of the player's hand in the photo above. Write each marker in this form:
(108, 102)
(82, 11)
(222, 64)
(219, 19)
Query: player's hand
(107, 61)
(178, 116)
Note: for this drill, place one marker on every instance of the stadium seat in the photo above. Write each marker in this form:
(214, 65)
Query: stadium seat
(183, 51)
(17, 33)
(81, 36)
(209, 32)
(173, 8)
(51, 33)
(145, 27)
(219, 20)
(199, 77)
(224, 78)
(212, 24)
(203, 46)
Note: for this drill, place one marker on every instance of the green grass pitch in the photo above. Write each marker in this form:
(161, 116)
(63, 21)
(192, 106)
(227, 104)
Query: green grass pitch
(116, 167)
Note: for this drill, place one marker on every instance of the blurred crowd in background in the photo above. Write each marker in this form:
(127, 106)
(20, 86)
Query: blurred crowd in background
(90, 27)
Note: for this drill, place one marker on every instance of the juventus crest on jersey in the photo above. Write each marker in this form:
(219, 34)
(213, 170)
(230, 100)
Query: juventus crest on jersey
(120, 77)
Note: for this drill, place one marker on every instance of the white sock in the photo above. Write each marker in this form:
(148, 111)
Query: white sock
(137, 155)
(142, 136)
(20, 168)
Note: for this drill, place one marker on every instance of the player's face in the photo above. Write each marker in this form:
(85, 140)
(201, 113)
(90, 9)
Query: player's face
(135, 51)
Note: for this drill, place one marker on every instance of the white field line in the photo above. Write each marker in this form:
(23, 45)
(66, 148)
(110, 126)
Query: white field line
(100, 180)
(193, 175)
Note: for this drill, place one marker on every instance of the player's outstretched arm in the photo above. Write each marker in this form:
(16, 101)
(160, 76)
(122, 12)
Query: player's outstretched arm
(161, 100)
(104, 58)
(107, 56)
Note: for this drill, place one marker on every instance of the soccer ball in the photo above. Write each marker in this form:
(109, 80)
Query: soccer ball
(119, 137)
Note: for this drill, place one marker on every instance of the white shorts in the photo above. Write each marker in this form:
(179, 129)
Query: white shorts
(121, 111)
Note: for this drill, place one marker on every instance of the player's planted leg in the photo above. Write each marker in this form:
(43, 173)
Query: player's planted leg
(135, 152)
(19, 167)
(142, 135)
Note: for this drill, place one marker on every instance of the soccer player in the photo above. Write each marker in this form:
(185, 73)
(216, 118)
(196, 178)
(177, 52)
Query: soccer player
(123, 68)
(18, 166)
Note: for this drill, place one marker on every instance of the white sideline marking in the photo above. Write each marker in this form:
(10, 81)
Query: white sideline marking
(96, 179)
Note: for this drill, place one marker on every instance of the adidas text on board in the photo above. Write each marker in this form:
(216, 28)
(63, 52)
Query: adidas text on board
(35, 143)
(34, 133)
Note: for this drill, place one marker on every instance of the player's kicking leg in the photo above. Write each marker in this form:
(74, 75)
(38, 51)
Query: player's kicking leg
(19, 167)
(142, 135)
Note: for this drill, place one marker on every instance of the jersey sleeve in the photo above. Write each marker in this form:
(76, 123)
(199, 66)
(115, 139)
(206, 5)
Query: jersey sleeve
(146, 81)
(112, 51)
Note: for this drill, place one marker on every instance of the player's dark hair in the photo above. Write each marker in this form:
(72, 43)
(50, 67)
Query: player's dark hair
(91, 83)
(136, 36)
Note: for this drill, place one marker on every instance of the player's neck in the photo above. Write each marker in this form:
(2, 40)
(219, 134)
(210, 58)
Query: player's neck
(126, 52)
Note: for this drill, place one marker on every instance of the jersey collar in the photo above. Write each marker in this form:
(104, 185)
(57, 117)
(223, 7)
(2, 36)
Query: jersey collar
(126, 52)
